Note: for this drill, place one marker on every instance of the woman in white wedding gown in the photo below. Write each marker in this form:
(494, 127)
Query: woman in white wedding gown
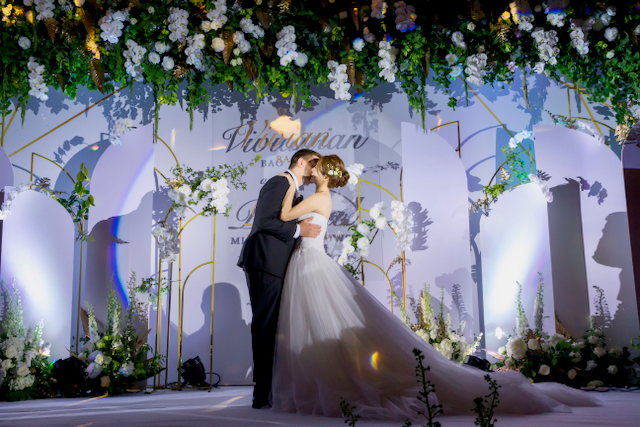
(335, 340)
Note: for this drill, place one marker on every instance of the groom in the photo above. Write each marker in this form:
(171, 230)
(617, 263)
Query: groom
(264, 258)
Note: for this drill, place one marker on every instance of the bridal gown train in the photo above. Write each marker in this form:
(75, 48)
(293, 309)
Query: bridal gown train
(335, 340)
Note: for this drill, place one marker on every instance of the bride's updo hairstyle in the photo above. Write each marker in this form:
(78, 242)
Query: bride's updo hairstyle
(332, 167)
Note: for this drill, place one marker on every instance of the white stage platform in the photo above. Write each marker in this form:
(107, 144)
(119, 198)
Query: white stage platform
(231, 406)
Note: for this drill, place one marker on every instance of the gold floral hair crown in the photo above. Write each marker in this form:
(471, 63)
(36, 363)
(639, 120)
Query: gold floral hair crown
(334, 171)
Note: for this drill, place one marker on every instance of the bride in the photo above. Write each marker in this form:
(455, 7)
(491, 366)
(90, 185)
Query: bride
(336, 341)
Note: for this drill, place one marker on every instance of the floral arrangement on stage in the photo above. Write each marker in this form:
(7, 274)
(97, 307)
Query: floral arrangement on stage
(286, 46)
(190, 187)
(117, 357)
(355, 247)
(25, 371)
(558, 357)
(438, 330)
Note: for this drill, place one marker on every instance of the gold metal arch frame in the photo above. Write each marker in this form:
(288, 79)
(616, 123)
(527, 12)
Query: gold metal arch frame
(81, 230)
(402, 253)
(181, 286)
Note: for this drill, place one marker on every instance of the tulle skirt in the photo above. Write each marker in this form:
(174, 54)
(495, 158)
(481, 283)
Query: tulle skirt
(336, 341)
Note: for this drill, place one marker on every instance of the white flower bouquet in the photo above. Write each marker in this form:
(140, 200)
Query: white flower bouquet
(190, 187)
(438, 330)
(117, 356)
(25, 372)
(542, 357)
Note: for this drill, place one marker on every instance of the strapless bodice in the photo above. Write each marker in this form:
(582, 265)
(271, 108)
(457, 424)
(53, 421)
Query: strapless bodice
(314, 242)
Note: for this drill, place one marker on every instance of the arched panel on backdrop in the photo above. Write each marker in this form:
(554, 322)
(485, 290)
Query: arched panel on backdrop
(435, 189)
(573, 158)
(123, 176)
(515, 247)
(40, 233)
(631, 165)
(6, 171)
(122, 185)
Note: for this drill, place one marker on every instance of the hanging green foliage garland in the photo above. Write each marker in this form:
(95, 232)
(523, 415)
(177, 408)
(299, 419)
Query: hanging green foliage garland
(286, 46)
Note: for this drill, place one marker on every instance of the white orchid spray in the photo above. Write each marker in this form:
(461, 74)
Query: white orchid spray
(119, 129)
(112, 24)
(387, 62)
(476, 68)
(355, 170)
(37, 85)
(339, 80)
(216, 17)
(401, 224)
(547, 41)
(134, 56)
(543, 187)
(178, 24)
(519, 137)
(590, 128)
(288, 49)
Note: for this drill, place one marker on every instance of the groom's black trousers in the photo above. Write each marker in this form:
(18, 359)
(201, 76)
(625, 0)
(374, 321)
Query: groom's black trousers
(265, 291)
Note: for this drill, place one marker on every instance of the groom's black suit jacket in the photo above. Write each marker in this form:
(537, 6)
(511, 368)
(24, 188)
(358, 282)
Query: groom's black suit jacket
(271, 241)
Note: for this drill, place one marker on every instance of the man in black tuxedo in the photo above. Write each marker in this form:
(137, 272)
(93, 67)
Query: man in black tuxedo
(264, 258)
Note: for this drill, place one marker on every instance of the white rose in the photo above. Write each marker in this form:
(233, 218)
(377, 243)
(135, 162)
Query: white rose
(516, 348)
(599, 351)
(217, 44)
(591, 364)
(593, 339)
(154, 58)
(509, 362)
(99, 358)
(616, 352)
(595, 383)
(471, 26)
(11, 352)
(610, 54)
(572, 374)
(533, 344)
(205, 185)
(151, 10)
(24, 43)
(451, 58)
(611, 33)
(358, 44)
(363, 229)
(6, 364)
(598, 332)
(544, 370)
(612, 369)
(556, 338)
(576, 357)
(134, 21)
(167, 63)
(502, 350)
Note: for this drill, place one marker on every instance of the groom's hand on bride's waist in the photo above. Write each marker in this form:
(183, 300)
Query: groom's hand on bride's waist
(309, 230)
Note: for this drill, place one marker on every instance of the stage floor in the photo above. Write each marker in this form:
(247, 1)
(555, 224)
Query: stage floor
(231, 406)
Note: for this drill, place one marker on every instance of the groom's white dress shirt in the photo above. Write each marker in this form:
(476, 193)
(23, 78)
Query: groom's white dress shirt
(295, 181)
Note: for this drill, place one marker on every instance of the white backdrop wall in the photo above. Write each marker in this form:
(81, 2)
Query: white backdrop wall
(131, 197)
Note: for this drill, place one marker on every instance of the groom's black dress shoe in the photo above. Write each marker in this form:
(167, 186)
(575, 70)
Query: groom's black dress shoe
(260, 405)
